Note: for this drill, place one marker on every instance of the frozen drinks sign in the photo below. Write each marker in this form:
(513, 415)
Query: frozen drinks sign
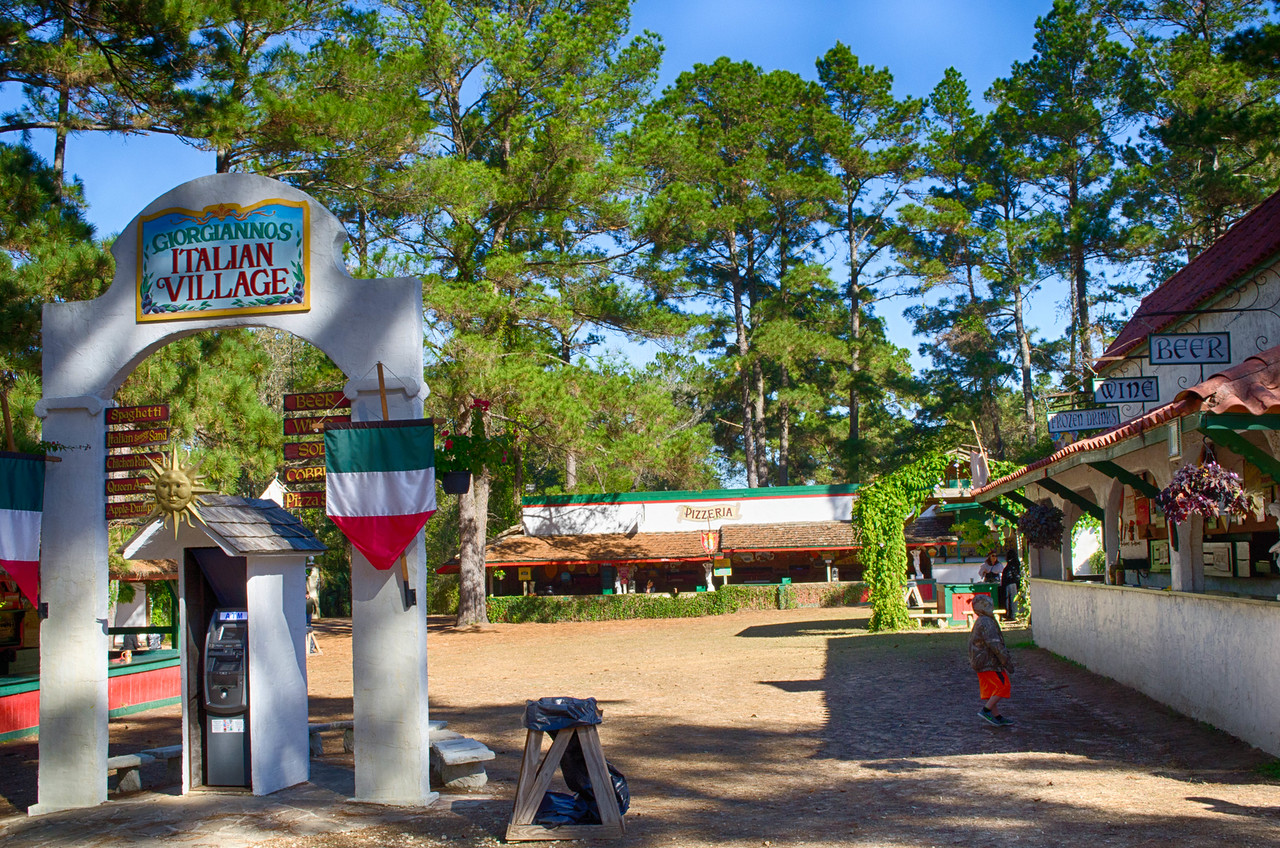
(224, 260)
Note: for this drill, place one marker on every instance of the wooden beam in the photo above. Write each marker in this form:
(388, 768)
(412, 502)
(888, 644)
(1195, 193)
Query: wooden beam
(1125, 476)
(1062, 491)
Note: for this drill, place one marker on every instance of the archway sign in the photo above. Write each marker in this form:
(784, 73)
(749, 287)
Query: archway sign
(231, 250)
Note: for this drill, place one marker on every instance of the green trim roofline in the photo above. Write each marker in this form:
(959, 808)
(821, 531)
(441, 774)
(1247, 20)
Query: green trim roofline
(704, 495)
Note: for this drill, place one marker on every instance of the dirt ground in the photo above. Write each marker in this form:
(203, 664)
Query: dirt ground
(799, 728)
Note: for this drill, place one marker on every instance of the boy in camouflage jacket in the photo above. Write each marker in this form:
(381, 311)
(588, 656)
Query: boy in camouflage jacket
(990, 659)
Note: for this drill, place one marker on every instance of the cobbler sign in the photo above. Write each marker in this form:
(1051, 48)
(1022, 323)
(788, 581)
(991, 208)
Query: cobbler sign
(224, 260)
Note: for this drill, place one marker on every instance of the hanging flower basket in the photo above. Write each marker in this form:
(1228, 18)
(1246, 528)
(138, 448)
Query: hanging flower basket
(455, 482)
(1042, 525)
(460, 455)
(1208, 489)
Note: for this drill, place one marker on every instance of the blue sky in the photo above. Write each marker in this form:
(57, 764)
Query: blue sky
(916, 39)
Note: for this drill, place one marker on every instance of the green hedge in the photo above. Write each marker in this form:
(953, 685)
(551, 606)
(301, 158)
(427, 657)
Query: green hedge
(521, 609)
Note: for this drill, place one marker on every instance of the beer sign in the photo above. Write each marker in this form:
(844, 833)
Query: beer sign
(1189, 348)
(316, 401)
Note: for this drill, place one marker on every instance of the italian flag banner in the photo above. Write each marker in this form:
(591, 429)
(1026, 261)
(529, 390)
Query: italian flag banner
(380, 482)
(21, 504)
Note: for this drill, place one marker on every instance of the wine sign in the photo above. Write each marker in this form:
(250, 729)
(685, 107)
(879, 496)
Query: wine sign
(1127, 390)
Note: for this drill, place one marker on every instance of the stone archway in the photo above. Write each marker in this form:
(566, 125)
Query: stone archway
(89, 350)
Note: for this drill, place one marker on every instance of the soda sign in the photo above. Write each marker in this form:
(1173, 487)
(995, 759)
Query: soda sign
(224, 259)
(1127, 390)
(304, 450)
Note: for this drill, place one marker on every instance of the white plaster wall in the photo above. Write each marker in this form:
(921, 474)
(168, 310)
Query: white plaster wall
(280, 754)
(663, 516)
(1211, 658)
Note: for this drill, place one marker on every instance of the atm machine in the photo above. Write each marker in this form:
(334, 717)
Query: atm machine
(226, 698)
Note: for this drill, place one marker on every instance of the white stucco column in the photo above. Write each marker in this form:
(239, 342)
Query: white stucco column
(1114, 503)
(1186, 564)
(278, 736)
(389, 654)
(73, 582)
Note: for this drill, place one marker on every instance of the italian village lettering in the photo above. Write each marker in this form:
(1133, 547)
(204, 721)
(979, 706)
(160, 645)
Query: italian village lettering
(224, 259)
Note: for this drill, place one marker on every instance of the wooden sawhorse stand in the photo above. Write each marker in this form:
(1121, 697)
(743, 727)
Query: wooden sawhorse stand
(535, 777)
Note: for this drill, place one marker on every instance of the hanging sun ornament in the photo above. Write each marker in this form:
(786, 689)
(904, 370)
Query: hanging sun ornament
(177, 489)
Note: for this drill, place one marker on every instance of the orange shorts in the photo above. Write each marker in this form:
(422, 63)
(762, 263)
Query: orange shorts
(994, 683)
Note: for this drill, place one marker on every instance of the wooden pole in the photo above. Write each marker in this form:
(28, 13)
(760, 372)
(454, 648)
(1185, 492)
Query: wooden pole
(410, 595)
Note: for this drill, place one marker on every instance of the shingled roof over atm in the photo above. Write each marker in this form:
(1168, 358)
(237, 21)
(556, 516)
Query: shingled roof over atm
(242, 526)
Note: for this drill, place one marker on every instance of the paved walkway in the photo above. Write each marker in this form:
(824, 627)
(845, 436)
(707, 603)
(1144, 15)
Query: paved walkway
(768, 729)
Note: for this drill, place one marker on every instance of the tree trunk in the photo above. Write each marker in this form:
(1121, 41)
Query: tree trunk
(1024, 354)
(762, 455)
(8, 418)
(748, 428)
(473, 515)
(784, 432)
(1080, 283)
(855, 351)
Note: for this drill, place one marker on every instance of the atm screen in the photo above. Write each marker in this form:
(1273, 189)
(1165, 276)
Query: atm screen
(230, 632)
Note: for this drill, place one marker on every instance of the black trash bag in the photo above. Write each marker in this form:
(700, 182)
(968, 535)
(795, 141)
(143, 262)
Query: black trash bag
(573, 766)
(557, 808)
(558, 713)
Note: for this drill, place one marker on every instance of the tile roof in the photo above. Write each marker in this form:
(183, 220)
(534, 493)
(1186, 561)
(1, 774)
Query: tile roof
(1251, 241)
(928, 529)
(778, 537)
(597, 547)
(1249, 387)
(256, 526)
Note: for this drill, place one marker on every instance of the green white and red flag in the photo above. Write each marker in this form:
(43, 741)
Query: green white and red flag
(21, 505)
(380, 482)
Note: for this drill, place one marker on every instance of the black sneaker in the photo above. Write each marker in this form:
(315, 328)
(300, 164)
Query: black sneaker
(1003, 721)
(990, 717)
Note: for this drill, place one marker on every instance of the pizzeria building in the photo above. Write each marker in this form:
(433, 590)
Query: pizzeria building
(678, 541)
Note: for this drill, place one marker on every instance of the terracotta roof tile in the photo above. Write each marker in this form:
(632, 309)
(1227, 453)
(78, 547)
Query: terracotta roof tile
(1249, 387)
(778, 537)
(1251, 241)
(600, 547)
